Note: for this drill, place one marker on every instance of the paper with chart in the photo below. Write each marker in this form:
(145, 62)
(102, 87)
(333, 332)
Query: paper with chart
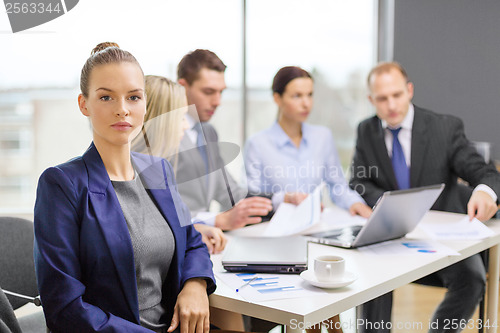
(266, 287)
(291, 219)
(409, 247)
(462, 229)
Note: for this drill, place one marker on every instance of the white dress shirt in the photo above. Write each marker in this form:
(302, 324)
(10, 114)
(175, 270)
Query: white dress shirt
(191, 132)
(404, 137)
(274, 164)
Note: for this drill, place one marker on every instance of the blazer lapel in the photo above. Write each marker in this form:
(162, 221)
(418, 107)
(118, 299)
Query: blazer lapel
(113, 226)
(152, 173)
(419, 141)
(382, 155)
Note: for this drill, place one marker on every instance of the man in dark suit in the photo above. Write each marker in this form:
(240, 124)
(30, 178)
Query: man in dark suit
(405, 146)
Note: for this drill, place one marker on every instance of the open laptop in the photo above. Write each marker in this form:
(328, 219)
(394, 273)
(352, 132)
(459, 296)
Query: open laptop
(394, 215)
(266, 255)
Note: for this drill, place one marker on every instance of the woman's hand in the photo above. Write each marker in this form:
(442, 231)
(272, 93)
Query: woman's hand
(295, 197)
(213, 237)
(191, 309)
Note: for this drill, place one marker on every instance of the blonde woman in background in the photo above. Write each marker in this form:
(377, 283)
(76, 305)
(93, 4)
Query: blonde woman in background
(165, 124)
(167, 105)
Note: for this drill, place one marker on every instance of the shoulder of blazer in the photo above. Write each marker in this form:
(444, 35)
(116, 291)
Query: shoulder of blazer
(75, 170)
(369, 126)
(428, 118)
(73, 167)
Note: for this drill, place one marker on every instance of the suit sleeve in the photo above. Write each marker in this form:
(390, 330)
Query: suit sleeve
(197, 263)
(57, 263)
(361, 176)
(466, 161)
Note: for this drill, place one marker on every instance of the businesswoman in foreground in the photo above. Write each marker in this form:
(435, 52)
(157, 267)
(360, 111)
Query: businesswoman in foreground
(112, 252)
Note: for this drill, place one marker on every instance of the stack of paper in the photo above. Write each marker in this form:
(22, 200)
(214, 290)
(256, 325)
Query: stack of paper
(463, 229)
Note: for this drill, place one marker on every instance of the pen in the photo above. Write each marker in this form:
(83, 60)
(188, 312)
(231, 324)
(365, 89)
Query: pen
(246, 283)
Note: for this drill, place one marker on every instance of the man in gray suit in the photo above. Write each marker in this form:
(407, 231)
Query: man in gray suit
(201, 174)
(201, 73)
(411, 147)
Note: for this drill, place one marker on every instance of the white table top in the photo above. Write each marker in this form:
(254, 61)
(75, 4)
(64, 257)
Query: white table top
(377, 275)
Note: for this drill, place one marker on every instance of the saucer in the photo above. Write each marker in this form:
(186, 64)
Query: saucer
(343, 281)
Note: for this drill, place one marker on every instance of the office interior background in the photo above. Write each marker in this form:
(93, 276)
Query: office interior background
(449, 47)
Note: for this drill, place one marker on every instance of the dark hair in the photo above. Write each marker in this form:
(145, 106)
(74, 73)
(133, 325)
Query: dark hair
(193, 62)
(285, 75)
(103, 54)
(385, 67)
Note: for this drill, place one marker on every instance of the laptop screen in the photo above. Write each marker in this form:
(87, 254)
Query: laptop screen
(395, 214)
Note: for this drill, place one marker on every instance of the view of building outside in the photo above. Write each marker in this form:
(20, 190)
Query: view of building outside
(41, 125)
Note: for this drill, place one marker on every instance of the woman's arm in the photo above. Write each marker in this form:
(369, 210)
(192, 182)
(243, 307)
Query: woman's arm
(213, 237)
(191, 310)
(57, 261)
(340, 192)
(253, 168)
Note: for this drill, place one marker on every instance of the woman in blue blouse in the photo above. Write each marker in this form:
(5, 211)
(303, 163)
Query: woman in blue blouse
(291, 158)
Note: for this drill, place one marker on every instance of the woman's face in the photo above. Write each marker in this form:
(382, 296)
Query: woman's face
(296, 101)
(116, 103)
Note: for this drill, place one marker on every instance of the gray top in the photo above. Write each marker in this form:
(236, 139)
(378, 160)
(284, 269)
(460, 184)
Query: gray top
(153, 244)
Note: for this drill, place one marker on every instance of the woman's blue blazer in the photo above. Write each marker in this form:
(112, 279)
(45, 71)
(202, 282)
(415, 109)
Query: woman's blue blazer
(83, 253)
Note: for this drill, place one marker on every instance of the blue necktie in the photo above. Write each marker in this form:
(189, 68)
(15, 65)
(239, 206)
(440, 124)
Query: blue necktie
(401, 170)
(202, 148)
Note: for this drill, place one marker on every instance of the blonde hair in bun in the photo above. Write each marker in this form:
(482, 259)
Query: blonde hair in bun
(103, 54)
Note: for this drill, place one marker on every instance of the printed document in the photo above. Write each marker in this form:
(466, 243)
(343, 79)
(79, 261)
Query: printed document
(265, 287)
(462, 229)
(291, 219)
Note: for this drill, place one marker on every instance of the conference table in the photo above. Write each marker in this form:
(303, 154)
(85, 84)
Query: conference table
(376, 275)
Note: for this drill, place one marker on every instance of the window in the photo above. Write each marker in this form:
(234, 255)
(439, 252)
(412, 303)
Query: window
(40, 123)
(333, 40)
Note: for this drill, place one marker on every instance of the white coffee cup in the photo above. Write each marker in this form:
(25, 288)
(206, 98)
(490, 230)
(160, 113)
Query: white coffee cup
(329, 268)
